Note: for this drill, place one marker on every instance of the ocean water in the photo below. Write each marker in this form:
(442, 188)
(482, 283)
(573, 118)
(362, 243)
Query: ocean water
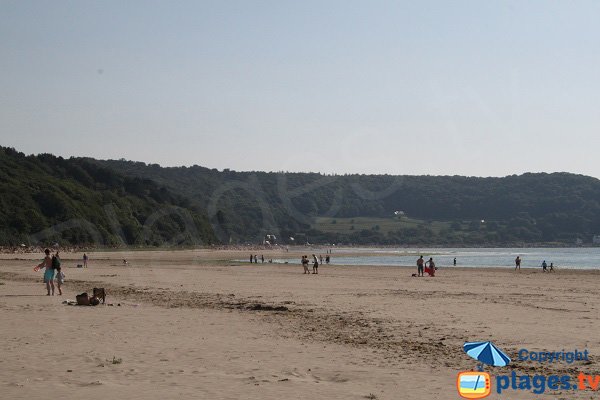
(572, 258)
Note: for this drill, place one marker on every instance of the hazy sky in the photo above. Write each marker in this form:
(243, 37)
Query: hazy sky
(447, 87)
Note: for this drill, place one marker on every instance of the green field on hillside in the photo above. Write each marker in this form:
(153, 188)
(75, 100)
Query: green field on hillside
(383, 225)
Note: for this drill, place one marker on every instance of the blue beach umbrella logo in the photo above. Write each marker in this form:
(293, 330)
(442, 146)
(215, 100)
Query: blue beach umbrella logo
(486, 353)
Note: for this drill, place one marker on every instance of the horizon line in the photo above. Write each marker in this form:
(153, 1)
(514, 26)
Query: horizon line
(148, 163)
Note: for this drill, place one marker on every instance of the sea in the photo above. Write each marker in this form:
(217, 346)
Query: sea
(571, 258)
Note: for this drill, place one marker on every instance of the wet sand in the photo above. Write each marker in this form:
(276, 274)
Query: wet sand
(192, 324)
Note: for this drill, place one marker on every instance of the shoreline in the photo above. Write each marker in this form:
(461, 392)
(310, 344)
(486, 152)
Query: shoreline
(279, 256)
(85, 248)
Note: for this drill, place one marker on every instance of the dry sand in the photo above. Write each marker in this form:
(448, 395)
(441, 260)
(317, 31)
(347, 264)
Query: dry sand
(192, 324)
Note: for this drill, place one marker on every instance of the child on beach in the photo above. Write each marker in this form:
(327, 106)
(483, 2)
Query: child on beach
(60, 280)
(305, 264)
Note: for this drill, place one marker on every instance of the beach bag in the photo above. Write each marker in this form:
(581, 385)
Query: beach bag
(55, 262)
(82, 299)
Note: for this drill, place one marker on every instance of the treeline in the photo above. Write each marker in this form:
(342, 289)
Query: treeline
(81, 201)
(47, 199)
(529, 208)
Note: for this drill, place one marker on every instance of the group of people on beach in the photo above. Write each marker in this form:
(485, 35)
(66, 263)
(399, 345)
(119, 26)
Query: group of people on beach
(254, 258)
(545, 266)
(426, 266)
(315, 269)
(305, 261)
(51, 266)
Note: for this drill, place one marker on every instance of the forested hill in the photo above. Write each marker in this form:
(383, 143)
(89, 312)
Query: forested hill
(47, 199)
(452, 210)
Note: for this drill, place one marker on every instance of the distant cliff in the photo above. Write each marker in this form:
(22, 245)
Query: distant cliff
(557, 208)
(47, 199)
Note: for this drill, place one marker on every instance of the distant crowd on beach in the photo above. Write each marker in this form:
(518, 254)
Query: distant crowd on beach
(254, 258)
(423, 267)
(428, 267)
(316, 261)
(305, 261)
(54, 278)
(545, 266)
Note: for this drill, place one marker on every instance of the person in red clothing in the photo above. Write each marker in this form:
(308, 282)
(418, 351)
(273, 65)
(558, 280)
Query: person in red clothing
(430, 267)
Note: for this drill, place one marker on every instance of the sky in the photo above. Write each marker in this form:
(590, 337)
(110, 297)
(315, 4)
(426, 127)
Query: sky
(476, 88)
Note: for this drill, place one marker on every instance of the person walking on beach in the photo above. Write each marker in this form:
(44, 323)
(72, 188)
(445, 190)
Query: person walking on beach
(551, 269)
(262, 258)
(455, 261)
(544, 266)
(255, 259)
(420, 264)
(518, 263)
(48, 272)
(315, 265)
(85, 260)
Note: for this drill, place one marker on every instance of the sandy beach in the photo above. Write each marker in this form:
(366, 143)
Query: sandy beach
(194, 324)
